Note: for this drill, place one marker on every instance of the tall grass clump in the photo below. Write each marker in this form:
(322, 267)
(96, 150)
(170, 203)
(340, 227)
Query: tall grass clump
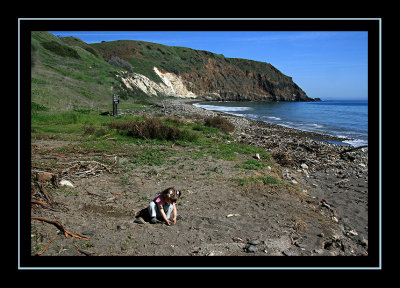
(120, 63)
(220, 123)
(152, 128)
(61, 50)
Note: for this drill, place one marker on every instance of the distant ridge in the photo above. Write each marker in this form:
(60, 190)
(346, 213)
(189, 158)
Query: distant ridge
(68, 73)
(206, 74)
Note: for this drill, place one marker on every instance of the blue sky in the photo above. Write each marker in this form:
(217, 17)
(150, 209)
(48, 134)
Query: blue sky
(328, 65)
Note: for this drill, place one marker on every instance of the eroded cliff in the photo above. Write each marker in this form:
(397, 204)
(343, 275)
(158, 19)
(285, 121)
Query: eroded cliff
(184, 72)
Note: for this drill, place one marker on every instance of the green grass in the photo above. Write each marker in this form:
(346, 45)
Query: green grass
(252, 164)
(266, 180)
(91, 133)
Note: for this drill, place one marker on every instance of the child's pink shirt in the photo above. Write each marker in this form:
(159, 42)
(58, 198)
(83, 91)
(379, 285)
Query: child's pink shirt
(160, 200)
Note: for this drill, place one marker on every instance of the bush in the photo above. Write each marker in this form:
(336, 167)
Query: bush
(61, 50)
(118, 62)
(152, 128)
(220, 123)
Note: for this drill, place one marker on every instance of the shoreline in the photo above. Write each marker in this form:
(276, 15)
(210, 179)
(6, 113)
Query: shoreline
(334, 175)
(319, 136)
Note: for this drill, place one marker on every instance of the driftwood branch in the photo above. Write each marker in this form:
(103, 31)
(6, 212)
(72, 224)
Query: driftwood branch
(86, 168)
(85, 252)
(61, 227)
(44, 248)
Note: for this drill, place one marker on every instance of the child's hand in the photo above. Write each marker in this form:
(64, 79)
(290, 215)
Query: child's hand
(168, 222)
(174, 220)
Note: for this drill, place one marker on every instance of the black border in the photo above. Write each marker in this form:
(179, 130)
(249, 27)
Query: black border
(373, 28)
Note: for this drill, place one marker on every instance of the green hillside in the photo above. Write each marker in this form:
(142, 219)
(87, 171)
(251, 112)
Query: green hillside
(67, 74)
(145, 55)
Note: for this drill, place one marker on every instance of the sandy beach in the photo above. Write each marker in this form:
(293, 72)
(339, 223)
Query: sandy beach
(317, 207)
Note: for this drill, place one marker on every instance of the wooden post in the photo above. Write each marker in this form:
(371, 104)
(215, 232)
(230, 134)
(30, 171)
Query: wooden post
(115, 103)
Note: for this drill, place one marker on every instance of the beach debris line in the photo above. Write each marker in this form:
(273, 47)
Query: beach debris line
(82, 169)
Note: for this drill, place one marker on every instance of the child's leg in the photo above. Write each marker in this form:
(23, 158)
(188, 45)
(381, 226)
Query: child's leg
(169, 211)
(153, 209)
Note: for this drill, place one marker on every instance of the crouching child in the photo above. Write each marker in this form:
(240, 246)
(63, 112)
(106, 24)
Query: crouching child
(161, 208)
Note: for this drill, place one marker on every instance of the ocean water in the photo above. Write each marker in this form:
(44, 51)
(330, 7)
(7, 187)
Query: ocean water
(340, 118)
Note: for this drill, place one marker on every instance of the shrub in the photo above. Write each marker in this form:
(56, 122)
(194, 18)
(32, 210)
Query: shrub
(220, 123)
(283, 158)
(61, 50)
(120, 63)
(91, 50)
(153, 128)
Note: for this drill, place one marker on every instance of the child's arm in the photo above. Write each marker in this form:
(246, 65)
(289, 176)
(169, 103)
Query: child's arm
(174, 214)
(160, 207)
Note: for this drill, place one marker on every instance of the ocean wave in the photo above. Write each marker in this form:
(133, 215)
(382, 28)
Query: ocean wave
(356, 142)
(222, 108)
(271, 118)
(315, 125)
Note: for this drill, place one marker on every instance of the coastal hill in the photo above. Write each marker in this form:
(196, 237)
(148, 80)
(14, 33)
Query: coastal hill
(66, 71)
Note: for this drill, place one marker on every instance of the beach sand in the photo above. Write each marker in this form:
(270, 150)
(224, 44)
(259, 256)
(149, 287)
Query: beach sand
(321, 209)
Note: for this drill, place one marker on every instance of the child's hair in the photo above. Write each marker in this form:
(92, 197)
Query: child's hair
(171, 195)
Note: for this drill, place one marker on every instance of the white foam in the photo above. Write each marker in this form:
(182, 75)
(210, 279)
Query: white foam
(272, 118)
(356, 142)
(315, 125)
(222, 108)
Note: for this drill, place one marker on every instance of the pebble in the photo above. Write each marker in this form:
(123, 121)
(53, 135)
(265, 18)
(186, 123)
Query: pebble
(352, 233)
(300, 245)
(121, 227)
(66, 183)
(287, 253)
(304, 166)
(254, 242)
(318, 251)
(251, 248)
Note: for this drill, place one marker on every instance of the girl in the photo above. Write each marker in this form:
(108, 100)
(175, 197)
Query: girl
(163, 205)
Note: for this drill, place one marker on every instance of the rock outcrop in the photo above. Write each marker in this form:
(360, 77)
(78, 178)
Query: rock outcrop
(189, 73)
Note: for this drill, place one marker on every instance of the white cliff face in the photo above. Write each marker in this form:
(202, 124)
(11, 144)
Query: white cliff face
(175, 83)
(171, 85)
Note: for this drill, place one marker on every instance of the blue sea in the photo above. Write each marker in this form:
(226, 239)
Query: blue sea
(340, 118)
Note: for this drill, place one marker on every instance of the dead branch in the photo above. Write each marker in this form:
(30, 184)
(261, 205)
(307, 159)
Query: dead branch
(39, 196)
(44, 248)
(43, 191)
(61, 227)
(85, 252)
(90, 168)
(94, 194)
(34, 201)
